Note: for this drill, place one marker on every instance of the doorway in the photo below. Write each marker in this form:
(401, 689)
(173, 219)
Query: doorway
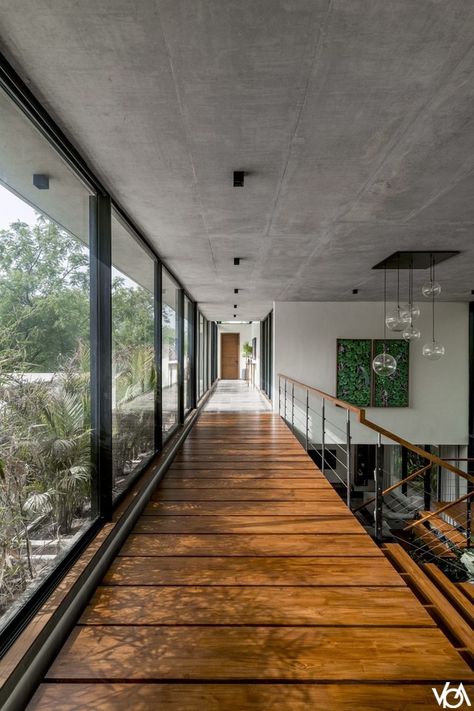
(230, 356)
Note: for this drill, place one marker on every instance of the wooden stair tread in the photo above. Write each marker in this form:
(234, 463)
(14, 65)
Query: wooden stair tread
(449, 590)
(457, 626)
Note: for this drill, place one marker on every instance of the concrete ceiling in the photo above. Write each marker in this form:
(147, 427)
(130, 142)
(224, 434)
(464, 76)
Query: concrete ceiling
(354, 121)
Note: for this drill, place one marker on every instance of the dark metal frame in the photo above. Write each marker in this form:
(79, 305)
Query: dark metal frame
(102, 206)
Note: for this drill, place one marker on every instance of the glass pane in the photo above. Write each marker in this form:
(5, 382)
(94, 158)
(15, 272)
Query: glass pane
(169, 352)
(45, 453)
(133, 356)
(188, 321)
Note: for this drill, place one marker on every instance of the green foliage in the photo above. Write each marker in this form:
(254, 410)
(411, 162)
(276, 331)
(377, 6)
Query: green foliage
(392, 390)
(354, 371)
(247, 350)
(44, 298)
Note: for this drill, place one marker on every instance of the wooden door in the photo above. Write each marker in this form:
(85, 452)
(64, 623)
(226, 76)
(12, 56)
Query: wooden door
(230, 356)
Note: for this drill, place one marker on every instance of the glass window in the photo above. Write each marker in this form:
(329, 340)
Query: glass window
(187, 350)
(133, 356)
(45, 399)
(169, 352)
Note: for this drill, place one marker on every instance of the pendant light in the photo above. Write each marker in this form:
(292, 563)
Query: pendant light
(384, 364)
(394, 321)
(410, 333)
(432, 287)
(433, 350)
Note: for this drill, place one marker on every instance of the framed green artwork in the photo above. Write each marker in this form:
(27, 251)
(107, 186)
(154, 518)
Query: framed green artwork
(392, 391)
(354, 370)
(356, 381)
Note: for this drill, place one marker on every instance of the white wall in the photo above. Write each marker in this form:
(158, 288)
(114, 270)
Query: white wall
(246, 331)
(305, 337)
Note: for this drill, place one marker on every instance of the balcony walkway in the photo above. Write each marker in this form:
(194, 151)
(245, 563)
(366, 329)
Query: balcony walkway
(247, 584)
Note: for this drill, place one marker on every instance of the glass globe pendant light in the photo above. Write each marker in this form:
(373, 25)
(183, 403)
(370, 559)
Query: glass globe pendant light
(410, 333)
(394, 321)
(384, 364)
(432, 287)
(433, 350)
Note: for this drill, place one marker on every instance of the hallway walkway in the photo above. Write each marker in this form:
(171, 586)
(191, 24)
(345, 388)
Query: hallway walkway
(236, 396)
(247, 584)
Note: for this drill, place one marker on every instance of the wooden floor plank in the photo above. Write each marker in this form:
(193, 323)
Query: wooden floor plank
(245, 494)
(202, 570)
(281, 525)
(335, 507)
(297, 545)
(328, 606)
(236, 697)
(262, 482)
(258, 653)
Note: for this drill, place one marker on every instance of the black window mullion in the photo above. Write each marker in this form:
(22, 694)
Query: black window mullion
(101, 354)
(181, 356)
(158, 355)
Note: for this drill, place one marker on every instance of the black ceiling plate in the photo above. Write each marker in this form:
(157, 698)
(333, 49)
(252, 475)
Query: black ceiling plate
(416, 260)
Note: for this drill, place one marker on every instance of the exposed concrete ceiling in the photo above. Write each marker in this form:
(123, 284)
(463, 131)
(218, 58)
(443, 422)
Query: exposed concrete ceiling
(354, 120)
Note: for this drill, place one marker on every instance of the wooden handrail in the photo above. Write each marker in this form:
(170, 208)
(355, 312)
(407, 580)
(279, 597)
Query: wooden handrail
(360, 412)
(432, 514)
(411, 476)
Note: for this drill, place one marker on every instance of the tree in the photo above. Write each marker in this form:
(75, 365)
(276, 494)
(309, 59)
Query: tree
(44, 291)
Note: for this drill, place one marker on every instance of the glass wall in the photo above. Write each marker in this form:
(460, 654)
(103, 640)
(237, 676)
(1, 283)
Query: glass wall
(169, 352)
(81, 317)
(187, 353)
(133, 355)
(45, 395)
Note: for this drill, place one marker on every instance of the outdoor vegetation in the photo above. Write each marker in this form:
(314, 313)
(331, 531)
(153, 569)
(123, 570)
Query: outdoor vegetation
(45, 403)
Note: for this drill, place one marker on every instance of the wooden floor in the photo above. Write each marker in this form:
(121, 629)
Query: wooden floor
(248, 584)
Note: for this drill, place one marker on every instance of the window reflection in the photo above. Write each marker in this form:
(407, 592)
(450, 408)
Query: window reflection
(169, 352)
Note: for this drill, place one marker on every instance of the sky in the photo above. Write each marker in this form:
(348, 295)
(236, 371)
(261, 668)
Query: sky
(13, 209)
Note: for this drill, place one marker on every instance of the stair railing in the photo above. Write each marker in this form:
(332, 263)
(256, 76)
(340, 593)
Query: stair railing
(326, 424)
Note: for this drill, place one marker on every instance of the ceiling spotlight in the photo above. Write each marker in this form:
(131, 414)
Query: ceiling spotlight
(41, 181)
(236, 291)
(236, 261)
(355, 291)
(235, 315)
(239, 178)
(235, 306)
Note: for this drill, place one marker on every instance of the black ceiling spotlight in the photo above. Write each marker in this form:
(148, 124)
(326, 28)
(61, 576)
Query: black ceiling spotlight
(472, 292)
(41, 181)
(235, 306)
(236, 261)
(355, 291)
(235, 315)
(236, 291)
(239, 178)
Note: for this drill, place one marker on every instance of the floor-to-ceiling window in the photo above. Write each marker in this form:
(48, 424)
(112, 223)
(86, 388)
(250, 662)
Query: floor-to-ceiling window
(169, 351)
(187, 353)
(45, 396)
(133, 355)
(201, 354)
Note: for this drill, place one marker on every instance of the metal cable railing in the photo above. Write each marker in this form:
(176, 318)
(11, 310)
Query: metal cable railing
(413, 507)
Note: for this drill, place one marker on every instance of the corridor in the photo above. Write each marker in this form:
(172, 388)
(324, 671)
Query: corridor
(248, 584)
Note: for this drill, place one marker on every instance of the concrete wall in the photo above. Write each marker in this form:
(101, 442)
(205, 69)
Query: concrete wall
(305, 348)
(246, 331)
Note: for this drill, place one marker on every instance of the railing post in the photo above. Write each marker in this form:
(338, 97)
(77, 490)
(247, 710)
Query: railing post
(348, 457)
(468, 522)
(307, 420)
(323, 433)
(293, 407)
(284, 409)
(279, 395)
(378, 476)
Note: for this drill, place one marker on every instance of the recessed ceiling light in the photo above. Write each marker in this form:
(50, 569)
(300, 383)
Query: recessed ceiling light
(236, 291)
(355, 291)
(239, 178)
(236, 261)
(235, 315)
(235, 306)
